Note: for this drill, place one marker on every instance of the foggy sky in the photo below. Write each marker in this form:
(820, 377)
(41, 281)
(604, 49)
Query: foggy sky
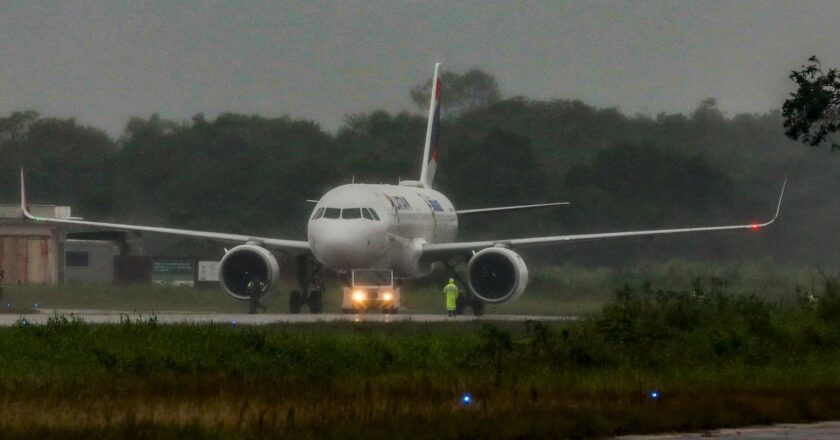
(103, 62)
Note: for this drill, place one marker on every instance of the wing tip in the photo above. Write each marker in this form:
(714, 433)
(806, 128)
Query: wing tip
(24, 201)
(781, 196)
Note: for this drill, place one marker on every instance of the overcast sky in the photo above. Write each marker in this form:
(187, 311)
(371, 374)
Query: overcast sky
(103, 62)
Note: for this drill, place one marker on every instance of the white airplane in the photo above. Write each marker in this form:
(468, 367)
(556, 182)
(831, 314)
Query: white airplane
(404, 228)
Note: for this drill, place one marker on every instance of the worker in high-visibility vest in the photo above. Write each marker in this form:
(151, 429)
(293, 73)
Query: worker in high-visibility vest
(451, 292)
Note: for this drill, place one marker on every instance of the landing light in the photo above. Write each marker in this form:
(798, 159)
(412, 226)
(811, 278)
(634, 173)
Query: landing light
(359, 296)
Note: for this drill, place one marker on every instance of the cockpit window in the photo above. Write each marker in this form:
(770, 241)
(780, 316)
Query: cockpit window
(351, 213)
(318, 214)
(373, 213)
(332, 213)
(366, 213)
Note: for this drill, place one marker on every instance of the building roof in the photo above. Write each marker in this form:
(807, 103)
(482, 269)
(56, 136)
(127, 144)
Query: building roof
(14, 212)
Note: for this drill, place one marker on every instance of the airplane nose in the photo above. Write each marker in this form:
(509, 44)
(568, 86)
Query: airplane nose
(347, 247)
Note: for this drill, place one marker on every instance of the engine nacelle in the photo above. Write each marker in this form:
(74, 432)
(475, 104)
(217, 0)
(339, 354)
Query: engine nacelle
(497, 275)
(243, 262)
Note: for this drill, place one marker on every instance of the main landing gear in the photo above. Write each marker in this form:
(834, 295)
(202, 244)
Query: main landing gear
(311, 288)
(465, 297)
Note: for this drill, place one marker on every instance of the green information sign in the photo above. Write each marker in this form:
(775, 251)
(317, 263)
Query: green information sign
(174, 272)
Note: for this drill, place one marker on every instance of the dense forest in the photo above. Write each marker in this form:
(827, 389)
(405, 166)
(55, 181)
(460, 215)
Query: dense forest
(253, 174)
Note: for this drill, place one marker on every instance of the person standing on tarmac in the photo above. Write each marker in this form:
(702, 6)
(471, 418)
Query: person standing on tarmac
(451, 292)
(255, 290)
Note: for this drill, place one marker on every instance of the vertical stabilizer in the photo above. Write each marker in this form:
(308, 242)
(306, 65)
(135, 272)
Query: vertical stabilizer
(432, 148)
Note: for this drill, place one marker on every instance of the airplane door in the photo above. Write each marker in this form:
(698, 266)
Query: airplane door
(434, 217)
(390, 209)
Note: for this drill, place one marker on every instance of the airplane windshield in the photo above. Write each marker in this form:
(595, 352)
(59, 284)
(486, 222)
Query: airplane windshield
(351, 213)
(346, 213)
(332, 213)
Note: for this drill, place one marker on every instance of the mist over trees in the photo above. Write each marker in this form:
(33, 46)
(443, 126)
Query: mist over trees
(253, 174)
(463, 91)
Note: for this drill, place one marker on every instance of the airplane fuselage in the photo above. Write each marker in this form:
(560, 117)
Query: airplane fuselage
(364, 226)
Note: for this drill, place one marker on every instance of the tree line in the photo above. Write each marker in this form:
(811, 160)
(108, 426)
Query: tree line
(253, 174)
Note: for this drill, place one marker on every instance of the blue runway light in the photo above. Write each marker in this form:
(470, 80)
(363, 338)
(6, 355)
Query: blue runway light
(466, 399)
(654, 395)
(233, 322)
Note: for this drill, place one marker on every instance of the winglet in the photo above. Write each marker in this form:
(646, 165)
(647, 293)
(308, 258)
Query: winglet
(24, 202)
(781, 195)
(778, 208)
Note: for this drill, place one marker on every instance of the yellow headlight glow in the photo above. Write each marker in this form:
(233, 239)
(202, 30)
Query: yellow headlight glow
(359, 296)
(387, 296)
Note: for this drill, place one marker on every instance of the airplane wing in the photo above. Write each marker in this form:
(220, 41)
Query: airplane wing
(438, 251)
(508, 208)
(290, 245)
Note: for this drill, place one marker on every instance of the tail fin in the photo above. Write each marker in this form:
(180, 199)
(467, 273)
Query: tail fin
(432, 148)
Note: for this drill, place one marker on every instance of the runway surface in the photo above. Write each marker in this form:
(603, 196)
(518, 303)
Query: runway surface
(114, 317)
(792, 431)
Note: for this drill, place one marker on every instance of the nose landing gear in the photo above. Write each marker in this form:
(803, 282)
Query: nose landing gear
(311, 292)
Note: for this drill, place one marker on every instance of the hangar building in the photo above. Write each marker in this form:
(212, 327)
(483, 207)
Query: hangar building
(32, 252)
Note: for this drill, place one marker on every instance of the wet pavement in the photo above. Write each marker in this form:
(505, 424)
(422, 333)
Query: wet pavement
(112, 317)
(812, 431)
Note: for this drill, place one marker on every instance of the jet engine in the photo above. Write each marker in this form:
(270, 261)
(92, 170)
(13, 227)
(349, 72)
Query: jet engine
(497, 275)
(241, 263)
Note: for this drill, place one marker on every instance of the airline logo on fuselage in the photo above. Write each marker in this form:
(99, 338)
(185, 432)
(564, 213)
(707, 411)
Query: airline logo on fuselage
(434, 205)
(399, 203)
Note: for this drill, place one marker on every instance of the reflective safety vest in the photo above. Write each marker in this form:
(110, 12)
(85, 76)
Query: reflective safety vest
(451, 292)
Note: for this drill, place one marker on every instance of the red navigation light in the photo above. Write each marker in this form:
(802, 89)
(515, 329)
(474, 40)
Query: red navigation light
(756, 227)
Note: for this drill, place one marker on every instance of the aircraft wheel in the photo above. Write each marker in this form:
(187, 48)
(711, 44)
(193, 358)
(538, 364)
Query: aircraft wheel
(316, 302)
(460, 304)
(295, 301)
(478, 307)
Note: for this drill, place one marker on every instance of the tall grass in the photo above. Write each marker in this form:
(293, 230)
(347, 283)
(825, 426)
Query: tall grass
(717, 359)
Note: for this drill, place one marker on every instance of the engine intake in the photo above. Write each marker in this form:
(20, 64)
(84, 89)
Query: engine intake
(497, 275)
(241, 263)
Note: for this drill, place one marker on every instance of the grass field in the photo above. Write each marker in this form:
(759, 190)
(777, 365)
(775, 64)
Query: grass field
(715, 358)
(558, 290)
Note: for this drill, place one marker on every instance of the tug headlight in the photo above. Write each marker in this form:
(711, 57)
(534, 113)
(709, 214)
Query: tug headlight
(359, 296)
(387, 296)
